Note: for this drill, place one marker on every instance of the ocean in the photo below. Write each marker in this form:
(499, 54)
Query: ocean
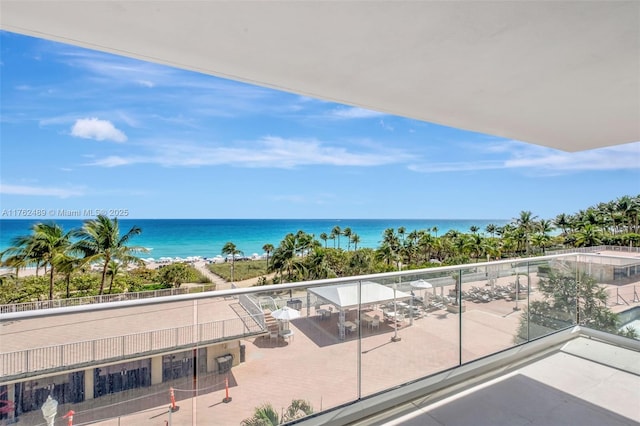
(206, 237)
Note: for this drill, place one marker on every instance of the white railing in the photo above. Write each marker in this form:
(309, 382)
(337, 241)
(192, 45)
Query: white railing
(66, 356)
(105, 298)
(593, 249)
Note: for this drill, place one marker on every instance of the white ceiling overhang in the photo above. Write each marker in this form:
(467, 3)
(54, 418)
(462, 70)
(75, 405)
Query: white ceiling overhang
(564, 74)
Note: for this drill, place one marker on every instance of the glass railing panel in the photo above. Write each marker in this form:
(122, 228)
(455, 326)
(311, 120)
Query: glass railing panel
(408, 334)
(291, 359)
(120, 364)
(609, 293)
(101, 364)
(553, 286)
(492, 298)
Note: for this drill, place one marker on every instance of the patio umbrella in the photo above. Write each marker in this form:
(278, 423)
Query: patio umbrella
(285, 314)
(421, 284)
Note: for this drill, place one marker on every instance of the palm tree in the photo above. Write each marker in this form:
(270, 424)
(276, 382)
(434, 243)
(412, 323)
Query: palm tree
(113, 270)
(541, 240)
(285, 256)
(46, 243)
(316, 265)
(17, 260)
(266, 415)
(361, 261)
(385, 253)
(630, 209)
(355, 239)
(588, 235)
(100, 241)
(401, 232)
(324, 238)
(267, 248)
(297, 409)
(336, 232)
(230, 249)
(67, 264)
(347, 233)
(491, 229)
(525, 223)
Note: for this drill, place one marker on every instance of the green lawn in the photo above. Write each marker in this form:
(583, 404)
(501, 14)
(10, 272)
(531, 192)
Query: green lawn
(244, 270)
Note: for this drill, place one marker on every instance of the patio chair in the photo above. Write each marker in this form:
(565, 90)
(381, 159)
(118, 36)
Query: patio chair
(376, 322)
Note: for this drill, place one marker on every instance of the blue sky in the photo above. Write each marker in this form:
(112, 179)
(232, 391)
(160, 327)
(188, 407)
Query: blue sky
(84, 130)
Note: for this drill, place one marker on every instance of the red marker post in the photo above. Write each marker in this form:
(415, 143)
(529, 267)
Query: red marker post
(69, 416)
(227, 398)
(172, 395)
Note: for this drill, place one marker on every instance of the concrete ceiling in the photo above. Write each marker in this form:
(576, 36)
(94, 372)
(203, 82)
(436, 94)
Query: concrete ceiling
(564, 74)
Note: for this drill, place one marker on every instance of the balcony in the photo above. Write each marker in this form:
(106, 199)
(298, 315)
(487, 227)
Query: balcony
(358, 348)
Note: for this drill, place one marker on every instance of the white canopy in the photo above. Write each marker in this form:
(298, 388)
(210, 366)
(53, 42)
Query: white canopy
(346, 295)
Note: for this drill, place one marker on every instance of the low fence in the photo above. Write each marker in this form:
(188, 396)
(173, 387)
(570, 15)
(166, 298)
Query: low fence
(105, 298)
(91, 352)
(628, 295)
(594, 249)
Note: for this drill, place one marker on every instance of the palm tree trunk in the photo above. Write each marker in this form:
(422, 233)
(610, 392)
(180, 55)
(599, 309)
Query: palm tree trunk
(51, 283)
(104, 277)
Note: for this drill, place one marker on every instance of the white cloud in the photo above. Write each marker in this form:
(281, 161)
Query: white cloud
(386, 126)
(115, 161)
(146, 83)
(268, 152)
(456, 166)
(46, 191)
(546, 161)
(93, 128)
(354, 112)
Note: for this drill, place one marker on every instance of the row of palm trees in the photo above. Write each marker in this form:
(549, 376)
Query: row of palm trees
(301, 257)
(336, 233)
(98, 241)
(614, 220)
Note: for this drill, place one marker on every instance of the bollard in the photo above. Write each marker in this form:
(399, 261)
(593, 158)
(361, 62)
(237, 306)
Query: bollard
(69, 415)
(172, 395)
(227, 398)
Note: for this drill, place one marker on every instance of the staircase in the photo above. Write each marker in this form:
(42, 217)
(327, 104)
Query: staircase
(270, 322)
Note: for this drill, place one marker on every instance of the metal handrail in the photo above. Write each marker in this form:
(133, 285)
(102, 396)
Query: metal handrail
(90, 300)
(390, 277)
(108, 349)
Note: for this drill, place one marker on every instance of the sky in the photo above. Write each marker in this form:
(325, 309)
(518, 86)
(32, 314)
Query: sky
(90, 132)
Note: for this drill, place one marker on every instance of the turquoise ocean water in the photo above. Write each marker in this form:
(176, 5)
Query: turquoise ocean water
(206, 237)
